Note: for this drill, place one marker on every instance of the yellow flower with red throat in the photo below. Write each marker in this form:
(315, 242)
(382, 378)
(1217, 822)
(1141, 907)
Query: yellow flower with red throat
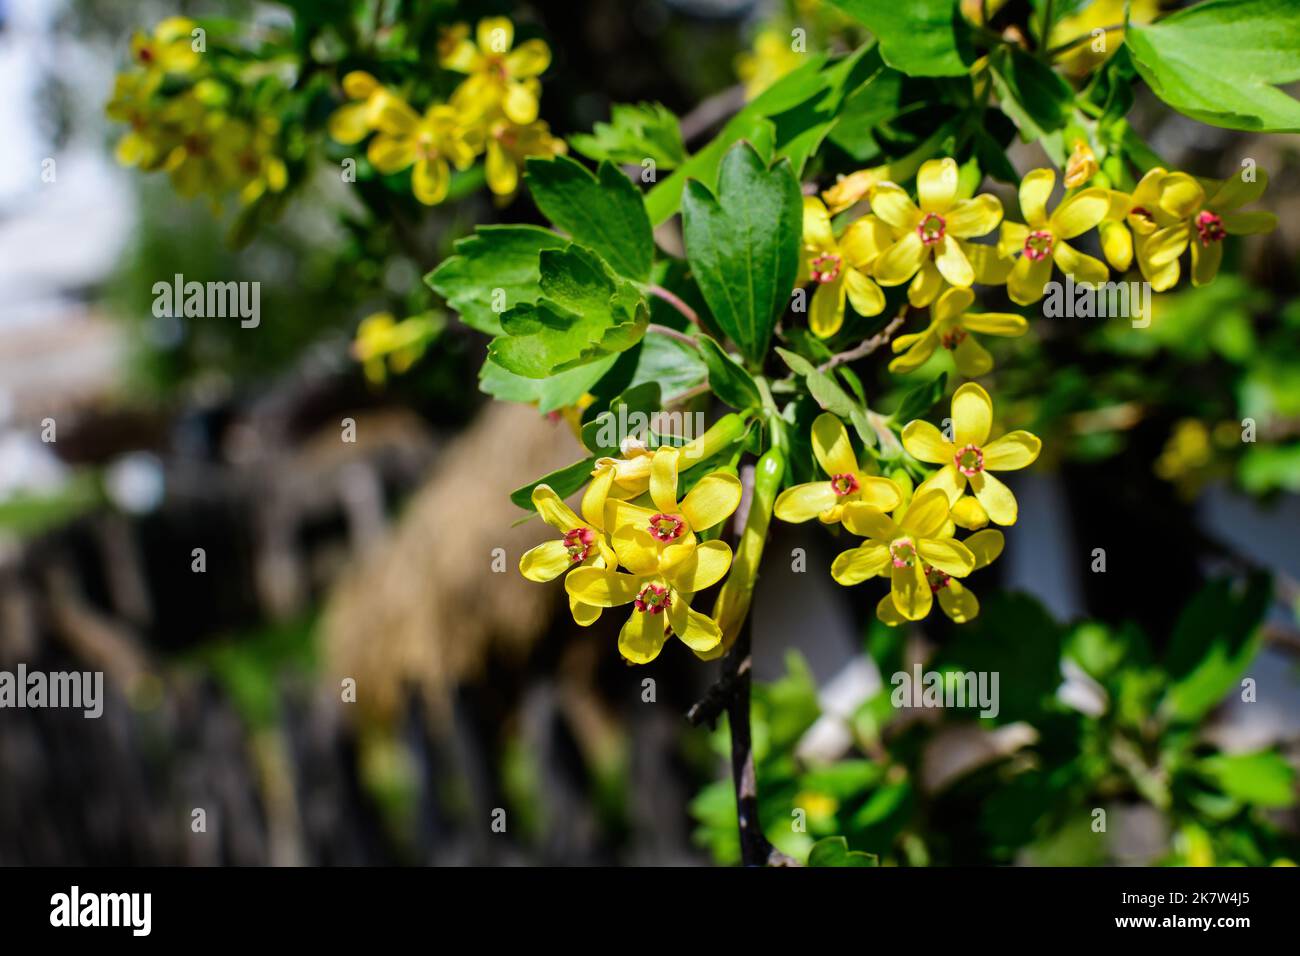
(500, 74)
(848, 482)
(1130, 215)
(970, 458)
(509, 144)
(951, 326)
(955, 600)
(355, 120)
(1041, 239)
(583, 546)
(169, 49)
(665, 535)
(917, 536)
(1199, 215)
(930, 235)
(839, 267)
(429, 145)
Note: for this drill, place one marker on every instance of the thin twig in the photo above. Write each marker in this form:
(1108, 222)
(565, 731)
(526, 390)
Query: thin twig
(669, 332)
(868, 346)
(717, 698)
(675, 301)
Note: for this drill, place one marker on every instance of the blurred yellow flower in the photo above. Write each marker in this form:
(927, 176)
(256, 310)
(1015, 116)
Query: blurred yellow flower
(429, 145)
(839, 267)
(499, 76)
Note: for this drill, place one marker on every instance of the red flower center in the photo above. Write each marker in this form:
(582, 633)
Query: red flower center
(952, 338)
(1209, 227)
(902, 553)
(936, 579)
(825, 268)
(1038, 244)
(653, 599)
(969, 460)
(667, 527)
(578, 543)
(844, 484)
(932, 228)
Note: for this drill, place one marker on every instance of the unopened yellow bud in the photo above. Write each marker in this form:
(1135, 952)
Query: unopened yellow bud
(1082, 165)
(1117, 244)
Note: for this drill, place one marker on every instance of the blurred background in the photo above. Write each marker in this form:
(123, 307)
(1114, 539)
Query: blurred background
(335, 560)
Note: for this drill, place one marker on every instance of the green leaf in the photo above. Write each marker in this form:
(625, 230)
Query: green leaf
(834, 851)
(1264, 779)
(919, 37)
(1214, 640)
(1029, 91)
(919, 400)
(1221, 62)
(743, 246)
(604, 212)
(728, 379)
(633, 135)
(555, 391)
(585, 313)
(494, 258)
(828, 394)
(603, 434)
(565, 482)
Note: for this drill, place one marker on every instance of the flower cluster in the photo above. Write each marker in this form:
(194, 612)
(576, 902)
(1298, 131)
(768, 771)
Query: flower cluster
(184, 122)
(492, 113)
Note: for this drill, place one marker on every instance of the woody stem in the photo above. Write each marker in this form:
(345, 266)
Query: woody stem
(676, 302)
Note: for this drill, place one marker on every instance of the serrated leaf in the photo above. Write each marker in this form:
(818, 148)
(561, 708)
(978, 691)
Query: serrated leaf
(565, 482)
(553, 392)
(1221, 62)
(728, 379)
(495, 258)
(920, 37)
(1029, 91)
(604, 212)
(834, 851)
(634, 134)
(743, 245)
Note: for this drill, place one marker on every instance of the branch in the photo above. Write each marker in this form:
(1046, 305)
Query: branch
(675, 301)
(669, 332)
(869, 345)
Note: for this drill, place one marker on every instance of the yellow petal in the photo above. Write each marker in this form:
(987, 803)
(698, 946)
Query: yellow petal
(972, 415)
(390, 154)
(705, 567)
(1079, 213)
(430, 180)
(349, 123)
(991, 268)
(878, 492)
(1028, 280)
(900, 261)
(530, 58)
(502, 174)
(546, 562)
(1035, 189)
(922, 344)
(520, 103)
(926, 514)
(947, 479)
(949, 556)
(1018, 449)
(971, 358)
(926, 443)
(958, 603)
(358, 84)
(968, 513)
(831, 446)
(663, 482)
(1205, 262)
(393, 115)
(805, 502)
(865, 295)
(1074, 263)
(637, 549)
(863, 241)
(495, 34)
(887, 613)
(697, 631)
(1162, 277)
(553, 510)
(910, 591)
(1011, 239)
(975, 217)
(603, 588)
(985, 545)
(643, 636)
(712, 500)
(995, 323)
(1117, 244)
(1181, 195)
(868, 522)
(858, 564)
(952, 304)
(952, 263)
(463, 57)
(925, 285)
(827, 312)
(936, 184)
(817, 233)
(584, 615)
(995, 497)
(594, 498)
(1165, 245)
(892, 204)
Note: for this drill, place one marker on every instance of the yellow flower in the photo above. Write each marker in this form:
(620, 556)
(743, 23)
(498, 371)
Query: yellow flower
(1082, 165)
(958, 603)
(1042, 241)
(1092, 50)
(205, 157)
(262, 169)
(509, 144)
(1128, 215)
(929, 234)
(147, 142)
(498, 75)
(170, 49)
(380, 337)
(918, 535)
(653, 539)
(848, 483)
(354, 121)
(431, 143)
(1190, 214)
(771, 58)
(852, 188)
(839, 267)
(971, 458)
(654, 591)
(583, 546)
(951, 326)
